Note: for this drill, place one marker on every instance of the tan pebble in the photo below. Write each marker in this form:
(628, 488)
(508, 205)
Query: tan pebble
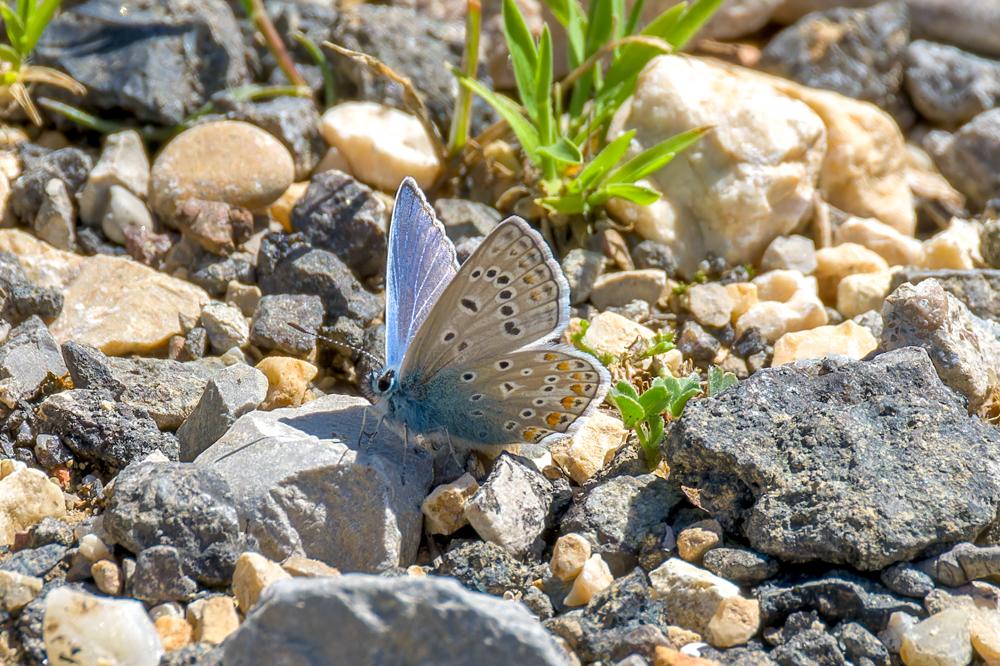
(711, 304)
(26, 496)
(305, 567)
(569, 554)
(281, 210)
(244, 296)
(444, 507)
(859, 293)
(175, 632)
(253, 574)
(833, 264)
(985, 630)
(845, 339)
(697, 539)
(17, 590)
(623, 287)
(93, 548)
(107, 576)
(956, 247)
(416, 570)
(943, 639)
(744, 295)
(680, 636)
(664, 656)
(287, 381)
(590, 448)
(735, 621)
(213, 619)
(896, 248)
(592, 579)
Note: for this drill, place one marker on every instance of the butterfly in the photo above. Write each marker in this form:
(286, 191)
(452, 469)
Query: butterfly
(470, 351)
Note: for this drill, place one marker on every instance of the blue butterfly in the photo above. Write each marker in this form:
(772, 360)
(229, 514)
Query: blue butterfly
(471, 351)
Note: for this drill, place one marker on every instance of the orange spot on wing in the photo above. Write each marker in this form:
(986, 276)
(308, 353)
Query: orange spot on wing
(562, 366)
(577, 388)
(569, 402)
(578, 376)
(552, 419)
(550, 356)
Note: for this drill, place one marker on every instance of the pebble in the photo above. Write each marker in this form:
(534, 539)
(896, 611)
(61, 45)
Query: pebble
(29, 361)
(253, 574)
(711, 304)
(898, 249)
(582, 268)
(955, 247)
(696, 343)
(213, 619)
(968, 158)
(244, 296)
(225, 325)
(665, 656)
(382, 145)
(174, 632)
(862, 292)
(833, 264)
(621, 288)
(93, 548)
(305, 567)
(107, 576)
(55, 222)
(125, 215)
(697, 539)
(70, 165)
(270, 328)
(281, 210)
(161, 574)
(463, 218)
(788, 301)
(651, 254)
(795, 253)
(906, 579)
(692, 595)
(230, 394)
(444, 507)
(593, 578)
(611, 333)
(985, 632)
(81, 628)
(735, 621)
(17, 590)
(940, 640)
(949, 86)
(26, 497)
(741, 566)
(287, 381)
(590, 448)
(569, 554)
(229, 161)
(123, 163)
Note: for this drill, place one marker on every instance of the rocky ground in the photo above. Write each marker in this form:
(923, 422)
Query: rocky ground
(181, 475)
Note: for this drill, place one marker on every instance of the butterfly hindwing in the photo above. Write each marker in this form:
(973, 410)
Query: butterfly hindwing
(420, 266)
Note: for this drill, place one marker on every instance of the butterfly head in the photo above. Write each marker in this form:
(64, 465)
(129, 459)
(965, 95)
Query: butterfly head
(382, 381)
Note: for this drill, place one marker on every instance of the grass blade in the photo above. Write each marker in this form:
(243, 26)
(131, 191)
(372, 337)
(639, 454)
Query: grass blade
(509, 111)
(691, 22)
(639, 194)
(655, 158)
(603, 162)
(15, 29)
(635, 56)
(563, 150)
(36, 22)
(523, 55)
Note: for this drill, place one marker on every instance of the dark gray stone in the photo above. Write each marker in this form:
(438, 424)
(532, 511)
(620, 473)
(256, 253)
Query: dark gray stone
(749, 343)
(466, 219)
(809, 648)
(159, 63)
(270, 329)
(181, 505)
(293, 120)
(52, 531)
(696, 343)
(70, 165)
(859, 462)
(860, 646)
(356, 619)
(483, 567)
(287, 264)
(229, 395)
(342, 216)
(651, 254)
(35, 561)
(161, 574)
(979, 289)
(50, 452)
(194, 654)
(99, 430)
(307, 483)
(907, 580)
(213, 273)
(969, 24)
(20, 298)
(621, 516)
(970, 158)
(856, 52)
(948, 85)
(582, 268)
(963, 563)
(743, 567)
(29, 361)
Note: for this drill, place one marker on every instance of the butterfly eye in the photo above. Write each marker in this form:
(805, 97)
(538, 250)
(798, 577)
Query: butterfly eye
(385, 381)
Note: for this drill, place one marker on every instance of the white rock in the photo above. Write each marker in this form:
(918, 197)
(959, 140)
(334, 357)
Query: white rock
(845, 339)
(590, 448)
(833, 264)
(788, 302)
(225, 325)
(594, 577)
(862, 292)
(743, 184)
(692, 594)
(622, 287)
(711, 304)
(81, 629)
(896, 248)
(444, 507)
(93, 548)
(381, 145)
(955, 247)
(124, 210)
(17, 590)
(611, 333)
(569, 554)
(794, 252)
(898, 625)
(941, 640)
(27, 496)
(123, 163)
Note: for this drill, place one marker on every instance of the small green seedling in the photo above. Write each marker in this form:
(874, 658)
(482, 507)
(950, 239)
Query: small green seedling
(644, 413)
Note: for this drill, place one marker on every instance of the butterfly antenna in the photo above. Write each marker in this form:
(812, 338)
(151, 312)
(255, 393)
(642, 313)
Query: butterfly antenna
(375, 360)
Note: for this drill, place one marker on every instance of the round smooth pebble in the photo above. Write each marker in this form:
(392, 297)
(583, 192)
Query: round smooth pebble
(569, 555)
(227, 160)
(594, 577)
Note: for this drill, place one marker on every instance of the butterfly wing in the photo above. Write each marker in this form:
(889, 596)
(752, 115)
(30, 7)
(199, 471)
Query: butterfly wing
(421, 263)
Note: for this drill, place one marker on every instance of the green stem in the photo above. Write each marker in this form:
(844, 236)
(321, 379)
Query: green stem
(459, 134)
(258, 15)
(329, 88)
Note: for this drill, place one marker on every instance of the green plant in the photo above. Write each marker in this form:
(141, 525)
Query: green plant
(719, 380)
(24, 24)
(572, 170)
(644, 412)
(257, 14)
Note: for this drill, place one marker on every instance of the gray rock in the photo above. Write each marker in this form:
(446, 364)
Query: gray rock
(969, 24)
(466, 219)
(29, 360)
(964, 350)
(213, 273)
(907, 580)
(195, 345)
(483, 567)
(621, 516)
(989, 245)
(225, 326)
(50, 452)
(270, 329)
(159, 64)
(161, 575)
(35, 561)
(809, 647)
(303, 487)
(856, 52)
(970, 158)
(293, 120)
(963, 563)
(356, 619)
(739, 565)
(948, 85)
(836, 596)
(696, 343)
(98, 429)
(582, 268)
(840, 461)
(167, 390)
(194, 654)
(52, 531)
(872, 320)
(750, 343)
(55, 222)
(27, 194)
(123, 163)
(288, 265)
(512, 507)
(978, 289)
(651, 254)
(342, 216)
(23, 297)
(860, 646)
(229, 395)
(181, 505)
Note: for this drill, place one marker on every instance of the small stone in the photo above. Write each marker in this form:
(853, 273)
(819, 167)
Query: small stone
(582, 268)
(213, 226)
(271, 327)
(590, 448)
(229, 395)
(985, 631)
(26, 497)
(940, 640)
(305, 567)
(908, 580)
(293, 120)
(845, 339)
(161, 574)
(948, 85)
(55, 222)
(29, 361)
(93, 548)
(228, 161)
(444, 507)
(253, 574)
(213, 619)
(225, 325)
(123, 163)
(244, 296)
(69, 165)
(696, 343)
(621, 288)
(76, 630)
(692, 595)
(17, 590)
(665, 656)
(125, 215)
(281, 210)
(288, 380)
(711, 304)
(483, 567)
(611, 333)
(465, 219)
(569, 555)
(796, 253)
(895, 247)
(174, 632)
(955, 247)
(744, 567)
(695, 540)
(650, 254)
(968, 158)
(107, 576)
(593, 578)
(835, 263)
(744, 295)
(381, 145)
(735, 621)
(862, 292)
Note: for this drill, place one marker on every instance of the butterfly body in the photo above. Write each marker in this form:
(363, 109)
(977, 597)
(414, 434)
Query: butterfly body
(470, 351)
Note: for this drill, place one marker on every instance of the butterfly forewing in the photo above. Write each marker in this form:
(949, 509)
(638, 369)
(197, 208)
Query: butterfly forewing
(421, 265)
(509, 294)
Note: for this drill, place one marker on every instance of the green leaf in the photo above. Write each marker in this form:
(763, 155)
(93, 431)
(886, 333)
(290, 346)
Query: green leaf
(627, 389)
(545, 120)
(523, 56)
(563, 150)
(633, 17)
(681, 390)
(695, 16)
(719, 380)
(655, 437)
(509, 111)
(37, 22)
(15, 29)
(654, 400)
(8, 54)
(559, 9)
(602, 163)
(24, 10)
(634, 57)
(629, 408)
(568, 204)
(655, 158)
(639, 194)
